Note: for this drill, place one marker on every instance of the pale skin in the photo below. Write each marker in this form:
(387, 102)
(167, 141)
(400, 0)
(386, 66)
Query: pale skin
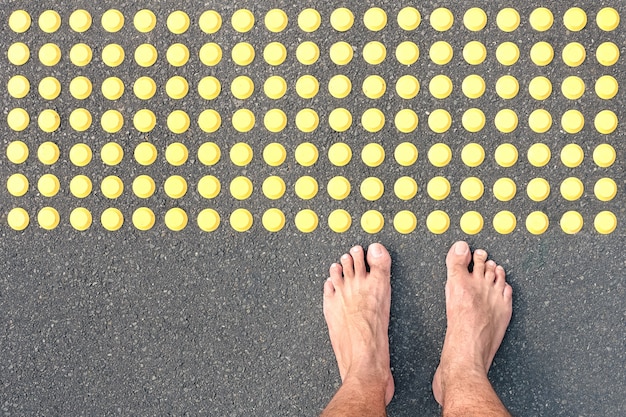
(357, 306)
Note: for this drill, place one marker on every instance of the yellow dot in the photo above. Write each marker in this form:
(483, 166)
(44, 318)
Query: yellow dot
(475, 19)
(306, 221)
(507, 53)
(407, 87)
(144, 120)
(146, 55)
(504, 222)
(404, 222)
(275, 53)
(209, 186)
(605, 189)
(472, 188)
(372, 188)
(472, 222)
(604, 155)
(19, 21)
(48, 218)
(405, 188)
(276, 20)
(506, 120)
(406, 120)
(473, 155)
(80, 154)
(17, 152)
(339, 221)
(178, 121)
(48, 153)
(112, 20)
(540, 88)
(177, 87)
(307, 53)
(607, 54)
(306, 187)
(537, 222)
(178, 22)
(273, 220)
(307, 120)
(572, 188)
(144, 20)
(540, 121)
(18, 219)
(80, 219)
(606, 87)
(605, 222)
(177, 54)
(112, 88)
(242, 87)
(242, 20)
(143, 218)
(241, 154)
(176, 154)
(374, 86)
(176, 219)
(375, 19)
(175, 186)
(572, 121)
(607, 19)
(439, 121)
(112, 219)
(80, 186)
(473, 120)
(441, 52)
(18, 53)
(541, 19)
(539, 155)
(438, 188)
(372, 221)
(275, 87)
(409, 18)
(145, 88)
(17, 184)
(340, 119)
(438, 222)
(18, 119)
(307, 86)
(274, 154)
(440, 86)
(441, 19)
(113, 55)
(440, 155)
(209, 120)
(275, 120)
(341, 19)
(18, 86)
(49, 21)
(112, 153)
(407, 53)
(574, 54)
(208, 220)
(210, 21)
(541, 53)
(573, 87)
(80, 54)
(144, 186)
(341, 53)
(241, 220)
(49, 54)
(572, 155)
(374, 52)
(49, 120)
(209, 88)
(474, 53)
(405, 154)
(507, 87)
(538, 189)
(306, 154)
(504, 189)
(339, 154)
(605, 122)
(112, 187)
(508, 19)
(373, 120)
(309, 20)
(209, 153)
(273, 187)
(80, 120)
(473, 86)
(339, 86)
(575, 19)
(338, 188)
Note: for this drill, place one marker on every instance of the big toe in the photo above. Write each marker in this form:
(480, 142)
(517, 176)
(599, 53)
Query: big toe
(458, 259)
(379, 260)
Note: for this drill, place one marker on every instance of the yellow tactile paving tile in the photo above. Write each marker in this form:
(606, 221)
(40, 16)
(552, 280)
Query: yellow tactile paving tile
(312, 113)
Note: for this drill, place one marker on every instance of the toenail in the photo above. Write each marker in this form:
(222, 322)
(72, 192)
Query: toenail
(355, 249)
(461, 248)
(480, 253)
(376, 251)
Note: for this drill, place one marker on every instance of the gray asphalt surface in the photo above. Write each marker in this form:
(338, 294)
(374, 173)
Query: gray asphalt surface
(228, 323)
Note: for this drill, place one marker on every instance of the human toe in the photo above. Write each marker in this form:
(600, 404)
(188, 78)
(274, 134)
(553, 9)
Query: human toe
(329, 288)
(458, 259)
(508, 292)
(490, 271)
(347, 264)
(378, 259)
(358, 259)
(480, 258)
(500, 277)
(336, 275)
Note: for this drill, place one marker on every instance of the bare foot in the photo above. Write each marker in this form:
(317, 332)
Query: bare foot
(478, 310)
(356, 308)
